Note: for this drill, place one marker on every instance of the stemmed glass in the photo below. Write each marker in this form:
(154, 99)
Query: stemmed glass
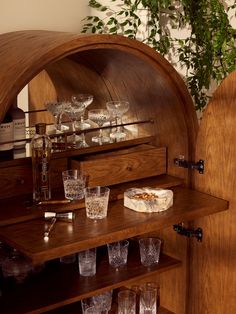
(117, 109)
(56, 109)
(99, 116)
(82, 101)
(74, 112)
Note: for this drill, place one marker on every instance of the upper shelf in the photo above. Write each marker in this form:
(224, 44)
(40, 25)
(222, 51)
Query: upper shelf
(120, 223)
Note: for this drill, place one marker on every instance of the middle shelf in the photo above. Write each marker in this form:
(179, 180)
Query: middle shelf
(120, 223)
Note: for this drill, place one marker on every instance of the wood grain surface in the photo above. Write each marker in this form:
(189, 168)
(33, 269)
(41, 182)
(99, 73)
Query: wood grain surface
(213, 262)
(43, 293)
(120, 223)
(127, 166)
(110, 67)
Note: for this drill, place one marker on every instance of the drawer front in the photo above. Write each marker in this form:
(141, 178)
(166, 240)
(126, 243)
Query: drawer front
(109, 170)
(17, 180)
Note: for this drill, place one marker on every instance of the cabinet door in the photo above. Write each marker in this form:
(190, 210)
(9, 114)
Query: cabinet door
(213, 266)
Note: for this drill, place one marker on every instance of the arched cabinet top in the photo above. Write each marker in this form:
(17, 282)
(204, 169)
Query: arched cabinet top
(109, 67)
(24, 54)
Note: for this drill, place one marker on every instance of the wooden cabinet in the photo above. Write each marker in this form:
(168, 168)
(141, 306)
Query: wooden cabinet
(161, 125)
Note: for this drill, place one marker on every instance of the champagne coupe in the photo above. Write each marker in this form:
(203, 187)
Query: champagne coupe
(56, 109)
(99, 116)
(74, 113)
(117, 109)
(83, 101)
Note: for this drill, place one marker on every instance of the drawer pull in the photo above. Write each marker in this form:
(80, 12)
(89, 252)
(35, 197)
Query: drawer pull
(129, 168)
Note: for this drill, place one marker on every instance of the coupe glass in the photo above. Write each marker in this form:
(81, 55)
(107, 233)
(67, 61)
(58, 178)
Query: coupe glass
(56, 109)
(117, 109)
(74, 112)
(83, 101)
(99, 116)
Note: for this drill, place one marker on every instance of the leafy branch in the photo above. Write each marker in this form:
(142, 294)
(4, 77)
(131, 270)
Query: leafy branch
(207, 54)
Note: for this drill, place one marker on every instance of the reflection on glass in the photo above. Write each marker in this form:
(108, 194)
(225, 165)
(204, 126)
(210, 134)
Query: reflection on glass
(74, 112)
(99, 116)
(82, 101)
(117, 109)
(56, 109)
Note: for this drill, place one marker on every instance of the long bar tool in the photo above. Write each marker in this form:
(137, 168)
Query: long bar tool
(53, 202)
(49, 229)
(66, 216)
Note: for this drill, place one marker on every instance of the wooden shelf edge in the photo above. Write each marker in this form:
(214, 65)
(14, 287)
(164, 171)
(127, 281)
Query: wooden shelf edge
(76, 309)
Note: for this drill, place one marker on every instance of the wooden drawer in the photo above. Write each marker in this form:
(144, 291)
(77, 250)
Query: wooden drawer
(17, 180)
(122, 166)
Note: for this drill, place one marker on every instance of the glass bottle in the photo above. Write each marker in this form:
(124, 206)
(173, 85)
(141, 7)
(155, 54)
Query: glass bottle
(41, 146)
(6, 137)
(18, 117)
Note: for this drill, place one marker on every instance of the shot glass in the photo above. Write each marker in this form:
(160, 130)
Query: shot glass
(87, 262)
(96, 202)
(149, 251)
(103, 301)
(126, 302)
(149, 296)
(88, 306)
(100, 303)
(118, 253)
(74, 183)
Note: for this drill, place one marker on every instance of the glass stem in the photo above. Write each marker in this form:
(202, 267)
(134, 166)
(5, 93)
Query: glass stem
(74, 133)
(118, 127)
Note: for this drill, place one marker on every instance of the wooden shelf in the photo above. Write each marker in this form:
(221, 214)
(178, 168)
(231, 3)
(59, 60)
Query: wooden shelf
(121, 223)
(19, 209)
(60, 284)
(130, 141)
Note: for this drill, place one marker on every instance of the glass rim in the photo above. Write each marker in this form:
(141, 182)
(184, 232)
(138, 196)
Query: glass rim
(117, 102)
(126, 242)
(150, 239)
(94, 189)
(73, 171)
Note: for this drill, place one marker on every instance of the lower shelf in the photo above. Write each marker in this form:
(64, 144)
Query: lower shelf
(59, 284)
(76, 309)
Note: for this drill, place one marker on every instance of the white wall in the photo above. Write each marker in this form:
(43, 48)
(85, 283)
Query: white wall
(58, 15)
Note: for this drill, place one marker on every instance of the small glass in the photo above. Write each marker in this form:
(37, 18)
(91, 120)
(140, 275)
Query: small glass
(103, 301)
(149, 294)
(149, 251)
(16, 266)
(74, 183)
(87, 262)
(126, 302)
(96, 201)
(118, 253)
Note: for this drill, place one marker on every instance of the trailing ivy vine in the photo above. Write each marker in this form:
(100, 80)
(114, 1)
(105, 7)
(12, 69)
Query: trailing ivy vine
(207, 53)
